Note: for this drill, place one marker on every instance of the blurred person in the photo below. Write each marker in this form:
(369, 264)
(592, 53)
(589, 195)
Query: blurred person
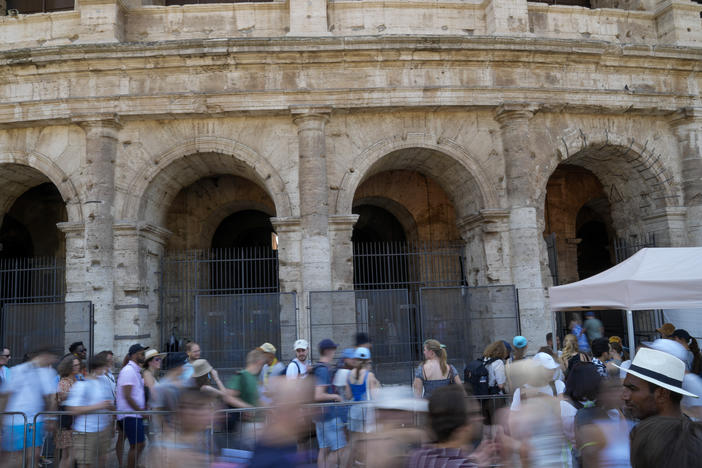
(167, 389)
(537, 423)
(602, 430)
(692, 383)
(361, 385)
(150, 372)
(549, 342)
(581, 391)
(616, 351)
(600, 355)
(329, 427)
(571, 354)
(693, 359)
(245, 395)
(271, 369)
(31, 390)
(455, 423)
(92, 432)
(397, 433)
(192, 349)
(653, 385)
(108, 378)
(202, 380)
(666, 330)
(297, 368)
(131, 397)
(5, 356)
(68, 369)
(662, 441)
(346, 363)
(519, 344)
(362, 340)
(184, 444)
(577, 330)
(558, 374)
(593, 327)
(552, 386)
(277, 446)
(79, 350)
(435, 371)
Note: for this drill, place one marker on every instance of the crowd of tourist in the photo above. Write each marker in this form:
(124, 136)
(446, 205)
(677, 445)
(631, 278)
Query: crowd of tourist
(585, 404)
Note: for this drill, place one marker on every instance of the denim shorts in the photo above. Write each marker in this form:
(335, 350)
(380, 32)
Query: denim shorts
(331, 434)
(12, 437)
(134, 430)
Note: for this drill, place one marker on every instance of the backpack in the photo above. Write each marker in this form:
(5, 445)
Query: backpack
(285, 369)
(476, 373)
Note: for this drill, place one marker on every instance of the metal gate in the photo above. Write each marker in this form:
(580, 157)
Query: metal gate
(229, 326)
(29, 326)
(186, 275)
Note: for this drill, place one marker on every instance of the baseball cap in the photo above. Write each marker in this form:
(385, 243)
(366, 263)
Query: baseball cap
(519, 342)
(135, 348)
(301, 344)
(327, 344)
(267, 348)
(546, 361)
(362, 353)
(348, 353)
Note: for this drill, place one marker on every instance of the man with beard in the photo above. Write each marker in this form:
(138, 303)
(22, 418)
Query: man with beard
(653, 385)
(130, 397)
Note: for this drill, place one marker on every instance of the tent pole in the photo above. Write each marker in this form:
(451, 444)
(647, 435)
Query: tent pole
(630, 330)
(555, 332)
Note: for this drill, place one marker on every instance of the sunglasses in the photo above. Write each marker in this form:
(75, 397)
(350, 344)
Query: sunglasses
(157, 359)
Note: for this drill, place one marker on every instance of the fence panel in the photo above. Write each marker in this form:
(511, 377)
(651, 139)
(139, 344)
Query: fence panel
(229, 326)
(467, 319)
(385, 314)
(53, 324)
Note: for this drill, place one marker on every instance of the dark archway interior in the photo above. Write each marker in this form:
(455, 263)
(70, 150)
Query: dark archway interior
(376, 225)
(15, 240)
(248, 228)
(593, 250)
(246, 255)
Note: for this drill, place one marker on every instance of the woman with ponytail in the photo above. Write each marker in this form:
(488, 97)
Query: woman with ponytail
(435, 371)
(694, 359)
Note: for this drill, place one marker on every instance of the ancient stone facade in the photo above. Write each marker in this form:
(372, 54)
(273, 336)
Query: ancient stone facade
(153, 124)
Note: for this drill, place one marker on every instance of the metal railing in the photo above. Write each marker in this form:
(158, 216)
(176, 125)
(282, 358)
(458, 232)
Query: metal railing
(5, 433)
(232, 433)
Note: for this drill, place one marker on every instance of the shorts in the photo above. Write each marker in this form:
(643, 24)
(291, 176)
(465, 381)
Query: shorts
(330, 434)
(134, 430)
(12, 437)
(88, 447)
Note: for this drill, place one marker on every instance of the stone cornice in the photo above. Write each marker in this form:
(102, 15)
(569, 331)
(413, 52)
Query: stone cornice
(685, 116)
(286, 224)
(340, 222)
(142, 228)
(488, 220)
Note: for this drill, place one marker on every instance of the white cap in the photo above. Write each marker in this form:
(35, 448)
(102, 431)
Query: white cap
(301, 344)
(668, 346)
(546, 361)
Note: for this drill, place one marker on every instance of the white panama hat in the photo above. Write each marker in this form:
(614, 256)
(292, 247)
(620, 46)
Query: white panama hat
(659, 368)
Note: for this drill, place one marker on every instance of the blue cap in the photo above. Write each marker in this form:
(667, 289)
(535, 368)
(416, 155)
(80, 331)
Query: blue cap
(519, 342)
(362, 353)
(348, 353)
(327, 344)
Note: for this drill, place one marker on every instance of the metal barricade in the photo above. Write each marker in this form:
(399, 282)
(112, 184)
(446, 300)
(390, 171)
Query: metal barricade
(5, 427)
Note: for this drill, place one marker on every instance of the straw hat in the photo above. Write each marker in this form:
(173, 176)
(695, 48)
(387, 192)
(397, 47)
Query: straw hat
(659, 368)
(152, 353)
(267, 348)
(201, 367)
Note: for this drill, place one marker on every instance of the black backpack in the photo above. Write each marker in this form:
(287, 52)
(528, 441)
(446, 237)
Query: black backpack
(476, 374)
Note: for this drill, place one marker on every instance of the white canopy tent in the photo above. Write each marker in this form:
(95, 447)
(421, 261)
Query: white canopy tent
(653, 278)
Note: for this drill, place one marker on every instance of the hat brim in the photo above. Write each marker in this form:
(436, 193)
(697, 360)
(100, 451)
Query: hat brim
(672, 388)
(156, 355)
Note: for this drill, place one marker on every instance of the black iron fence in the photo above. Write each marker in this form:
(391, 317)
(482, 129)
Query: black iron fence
(625, 248)
(185, 275)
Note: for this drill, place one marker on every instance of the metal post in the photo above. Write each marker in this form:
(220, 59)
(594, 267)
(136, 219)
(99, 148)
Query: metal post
(554, 338)
(630, 330)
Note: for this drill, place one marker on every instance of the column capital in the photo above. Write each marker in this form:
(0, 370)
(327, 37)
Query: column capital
(71, 227)
(342, 222)
(513, 111)
(292, 223)
(685, 115)
(310, 118)
(98, 120)
(142, 228)
(488, 220)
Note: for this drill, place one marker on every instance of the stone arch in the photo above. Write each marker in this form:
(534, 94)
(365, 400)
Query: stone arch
(442, 159)
(634, 175)
(399, 211)
(190, 160)
(31, 168)
(216, 217)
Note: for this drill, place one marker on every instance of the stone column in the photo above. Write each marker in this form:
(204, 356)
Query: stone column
(525, 231)
(487, 247)
(315, 249)
(138, 248)
(98, 200)
(289, 233)
(687, 125)
(340, 232)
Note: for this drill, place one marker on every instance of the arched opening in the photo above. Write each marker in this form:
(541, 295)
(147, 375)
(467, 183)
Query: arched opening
(376, 224)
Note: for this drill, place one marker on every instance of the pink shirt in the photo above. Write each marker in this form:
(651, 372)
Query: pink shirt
(130, 375)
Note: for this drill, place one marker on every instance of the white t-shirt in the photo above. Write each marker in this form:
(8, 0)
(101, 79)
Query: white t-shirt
(27, 390)
(496, 373)
(292, 371)
(693, 384)
(341, 377)
(87, 393)
(547, 390)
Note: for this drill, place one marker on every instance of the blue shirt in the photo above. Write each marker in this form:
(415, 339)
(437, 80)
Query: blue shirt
(324, 377)
(582, 339)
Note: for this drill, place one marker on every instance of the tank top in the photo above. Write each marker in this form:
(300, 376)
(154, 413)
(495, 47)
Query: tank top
(358, 391)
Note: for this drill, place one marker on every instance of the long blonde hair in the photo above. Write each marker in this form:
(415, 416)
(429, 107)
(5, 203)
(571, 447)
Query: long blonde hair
(435, 346)
(570, 349)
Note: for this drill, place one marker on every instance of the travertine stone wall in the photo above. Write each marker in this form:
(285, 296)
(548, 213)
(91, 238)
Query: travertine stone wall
(130, 109)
